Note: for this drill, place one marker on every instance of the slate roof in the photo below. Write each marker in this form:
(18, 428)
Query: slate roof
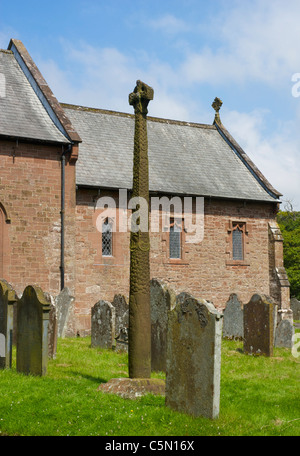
(28, 108)
(184, 158)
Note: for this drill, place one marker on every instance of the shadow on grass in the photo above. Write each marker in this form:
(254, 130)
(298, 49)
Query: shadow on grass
(89, 377)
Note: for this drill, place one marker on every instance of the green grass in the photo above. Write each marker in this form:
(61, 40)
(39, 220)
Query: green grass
(259, 396)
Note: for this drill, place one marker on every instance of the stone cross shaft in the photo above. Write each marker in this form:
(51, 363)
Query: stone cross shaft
(139, 338)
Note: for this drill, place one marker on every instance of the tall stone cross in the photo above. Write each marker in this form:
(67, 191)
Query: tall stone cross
(139, 337)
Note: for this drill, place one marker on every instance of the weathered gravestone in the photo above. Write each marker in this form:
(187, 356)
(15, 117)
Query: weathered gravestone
(233, 322)
(64, 304)
(121, 322)
(284, 334)
(52, 327)
(194, 357)
(259, 325)
(103, 324)
(8, 298)
(32, 331)
(295, 306)
(162, 299)
(3, 351)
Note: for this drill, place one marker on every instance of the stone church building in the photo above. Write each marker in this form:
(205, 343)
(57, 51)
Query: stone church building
(59, 161)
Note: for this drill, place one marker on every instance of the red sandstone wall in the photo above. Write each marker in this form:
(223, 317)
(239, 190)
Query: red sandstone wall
(30, 200)
(30, 176)
(96, 277)
(205, 269)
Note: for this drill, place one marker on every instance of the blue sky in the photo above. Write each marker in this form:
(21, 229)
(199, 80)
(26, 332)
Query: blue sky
(190, 51)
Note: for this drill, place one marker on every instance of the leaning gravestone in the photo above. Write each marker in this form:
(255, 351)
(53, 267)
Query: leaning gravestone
(7, 299)
(259, 325)
(32, 331)
(103, 324)
(284, 334)
(162, 299)
(194, 357)
(121, 322)
(295, 306)
(64, 303)
(233, 322)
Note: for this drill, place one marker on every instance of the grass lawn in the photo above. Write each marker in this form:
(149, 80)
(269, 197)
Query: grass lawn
(260, 396)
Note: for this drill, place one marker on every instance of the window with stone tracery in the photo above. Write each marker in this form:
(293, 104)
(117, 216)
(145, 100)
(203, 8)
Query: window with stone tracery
(107, 238)
(237, 242)
(175, 239)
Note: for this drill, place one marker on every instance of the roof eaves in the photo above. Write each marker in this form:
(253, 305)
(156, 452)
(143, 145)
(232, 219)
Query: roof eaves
(175, 193)
(27, 139)
(43, 91)
(246, 160)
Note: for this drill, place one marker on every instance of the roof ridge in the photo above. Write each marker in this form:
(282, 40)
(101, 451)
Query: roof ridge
(100, 110)
(125, 114)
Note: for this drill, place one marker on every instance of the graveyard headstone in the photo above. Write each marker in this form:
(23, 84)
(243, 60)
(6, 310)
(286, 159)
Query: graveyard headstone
(64, 303)
(194, 357)
(162, 299)
(52, 327)
(8, 298)
(32, 331)
(260, 315)
(233, 322)
(121, 322)
(284, 334)
(295, 306)
(103, 324)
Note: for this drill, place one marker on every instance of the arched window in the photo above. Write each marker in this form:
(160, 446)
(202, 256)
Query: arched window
(175, 239)
(107, 238)
(237, 242)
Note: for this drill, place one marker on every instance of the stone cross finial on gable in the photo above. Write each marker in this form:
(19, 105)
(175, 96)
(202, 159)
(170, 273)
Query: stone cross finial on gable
(140, 97)
(217, 103)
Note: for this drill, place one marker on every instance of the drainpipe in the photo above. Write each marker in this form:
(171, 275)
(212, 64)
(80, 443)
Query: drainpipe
(62, 217)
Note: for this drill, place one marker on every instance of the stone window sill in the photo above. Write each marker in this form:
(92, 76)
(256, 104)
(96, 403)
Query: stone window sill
(237, 263)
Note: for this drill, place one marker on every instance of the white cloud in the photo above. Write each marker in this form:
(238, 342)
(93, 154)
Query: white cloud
(105, 77)
(258, 42)
(169, 24)
(277, 155)
(255, 41)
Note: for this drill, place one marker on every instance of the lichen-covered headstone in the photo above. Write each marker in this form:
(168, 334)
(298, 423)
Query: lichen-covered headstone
(52, 328)
(32, 331)
(295, 306)
(193, 367)
(7, 299)
(260, 315)
(284, 334)
(162, 299)
(233, 323)
(121, 322)
(64, 305)
(103, 324)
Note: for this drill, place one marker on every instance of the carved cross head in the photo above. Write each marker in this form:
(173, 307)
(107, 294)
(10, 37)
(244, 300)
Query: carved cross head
(217, 103)
(140, 97)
